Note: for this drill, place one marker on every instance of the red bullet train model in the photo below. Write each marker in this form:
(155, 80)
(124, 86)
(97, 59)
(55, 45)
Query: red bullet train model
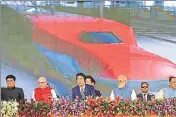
(100, 46)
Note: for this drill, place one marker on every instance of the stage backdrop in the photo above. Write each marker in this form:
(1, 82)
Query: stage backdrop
(57, 42)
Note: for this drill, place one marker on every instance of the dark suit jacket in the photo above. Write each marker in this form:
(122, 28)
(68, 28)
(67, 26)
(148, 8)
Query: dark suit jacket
(88, 91)
(12, 94)
(98, 93)
(149, 96)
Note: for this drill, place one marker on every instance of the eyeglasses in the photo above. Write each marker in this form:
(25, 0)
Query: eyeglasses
(119, 81)
(144, 86)
(41, 82)
(173, 82)
(10, 80)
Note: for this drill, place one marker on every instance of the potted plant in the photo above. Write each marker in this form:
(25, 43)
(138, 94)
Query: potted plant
(34, 108)
(9, 108)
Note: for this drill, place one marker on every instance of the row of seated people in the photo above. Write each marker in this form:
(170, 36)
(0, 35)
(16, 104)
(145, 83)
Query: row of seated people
(85, 88)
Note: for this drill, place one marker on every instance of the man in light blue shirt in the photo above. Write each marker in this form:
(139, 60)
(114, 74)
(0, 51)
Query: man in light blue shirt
(168, 92)
(123, 91)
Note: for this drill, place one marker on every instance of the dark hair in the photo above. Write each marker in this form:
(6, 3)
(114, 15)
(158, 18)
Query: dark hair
(144, 83)
(11, 77)
(81, 74)
(91, 78)
(170, 78)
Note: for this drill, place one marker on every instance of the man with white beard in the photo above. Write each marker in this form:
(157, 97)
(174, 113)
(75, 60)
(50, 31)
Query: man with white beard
(122, 90)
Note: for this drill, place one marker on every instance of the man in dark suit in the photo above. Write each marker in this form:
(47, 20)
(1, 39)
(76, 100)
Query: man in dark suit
(145, 95)
(91, 81)
(82, 90)
(11, 92)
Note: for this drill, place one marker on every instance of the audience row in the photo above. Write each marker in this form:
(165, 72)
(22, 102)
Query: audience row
(85, 88)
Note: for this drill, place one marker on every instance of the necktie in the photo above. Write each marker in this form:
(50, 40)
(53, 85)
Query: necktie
(144, 97)
(82, 93)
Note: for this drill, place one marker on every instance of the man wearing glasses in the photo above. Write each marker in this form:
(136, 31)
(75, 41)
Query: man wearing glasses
(123, 91)
(11, 92)
(169, 92)
(43, 92)
(145, 95)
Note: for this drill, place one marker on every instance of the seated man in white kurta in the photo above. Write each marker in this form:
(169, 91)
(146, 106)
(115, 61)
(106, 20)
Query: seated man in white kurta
(123, 91)
(169, 92)
(43, 93)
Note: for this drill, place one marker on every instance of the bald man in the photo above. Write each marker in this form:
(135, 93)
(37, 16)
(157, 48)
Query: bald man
(43, 92)
(122, 90)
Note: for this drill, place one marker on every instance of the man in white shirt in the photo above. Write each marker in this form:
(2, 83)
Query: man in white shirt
(169, 92)
(145, 95)
(43, 93)
(122, 90)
